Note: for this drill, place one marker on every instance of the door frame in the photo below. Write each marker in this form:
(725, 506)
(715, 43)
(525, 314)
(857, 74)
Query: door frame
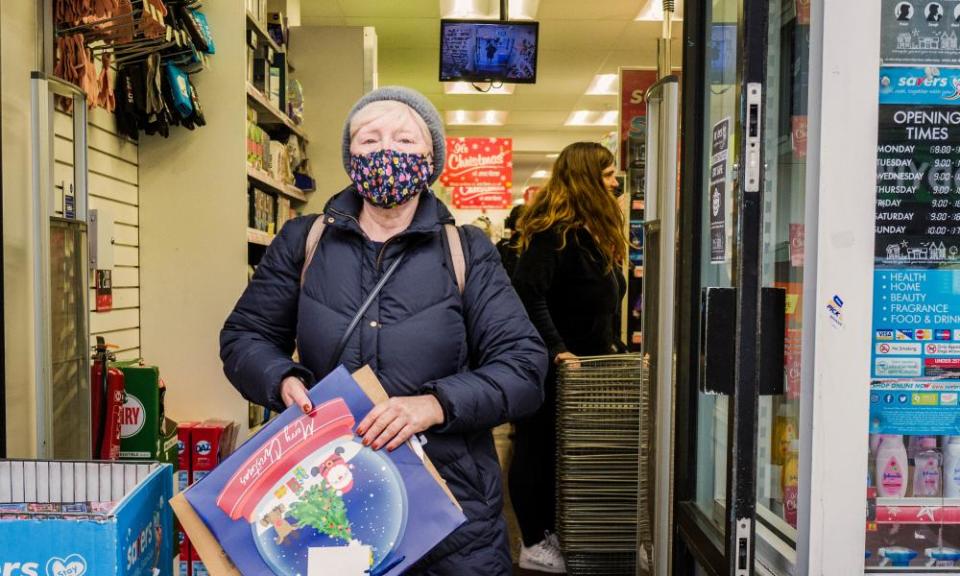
(3, 355)
(838, 252)
(697, 541)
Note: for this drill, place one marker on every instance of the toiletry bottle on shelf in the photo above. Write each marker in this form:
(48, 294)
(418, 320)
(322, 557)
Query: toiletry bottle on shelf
(892, 467)
(951, 468)
(926, 471)
(791, 484)
(784, 432)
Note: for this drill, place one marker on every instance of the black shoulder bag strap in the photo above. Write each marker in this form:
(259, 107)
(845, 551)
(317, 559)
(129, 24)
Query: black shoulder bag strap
(363, 310)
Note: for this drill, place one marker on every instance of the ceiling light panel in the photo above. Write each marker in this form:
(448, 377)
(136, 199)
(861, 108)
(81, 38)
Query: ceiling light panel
(476, 117)
(592, 118)
(652, 11)
(468, 88)
(540, 174)
(469, 9)
(483, 9)
(604, 85)
(523, 9)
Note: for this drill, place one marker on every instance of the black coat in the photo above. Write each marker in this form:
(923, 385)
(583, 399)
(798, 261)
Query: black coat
(478, 353)
(573, 300)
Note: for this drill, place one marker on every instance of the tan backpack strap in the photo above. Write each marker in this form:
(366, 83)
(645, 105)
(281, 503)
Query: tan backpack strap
(457, 255)
(310, 248)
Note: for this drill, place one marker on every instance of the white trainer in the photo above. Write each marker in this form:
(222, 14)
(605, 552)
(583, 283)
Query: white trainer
(544, 556)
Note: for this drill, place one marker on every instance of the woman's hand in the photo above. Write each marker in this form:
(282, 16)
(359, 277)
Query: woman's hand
(568, 358)
(292, 391)
(393, 422)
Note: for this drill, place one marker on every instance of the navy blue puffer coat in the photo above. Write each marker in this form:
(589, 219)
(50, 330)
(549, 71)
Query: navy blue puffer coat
(477, 353)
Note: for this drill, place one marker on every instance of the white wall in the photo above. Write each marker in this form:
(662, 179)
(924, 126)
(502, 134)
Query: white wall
(330, 67)
(113, 184)
(193, 222)
(17, 57)
(842, 144)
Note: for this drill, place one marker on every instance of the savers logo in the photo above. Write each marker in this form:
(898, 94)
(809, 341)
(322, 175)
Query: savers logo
(924, 81)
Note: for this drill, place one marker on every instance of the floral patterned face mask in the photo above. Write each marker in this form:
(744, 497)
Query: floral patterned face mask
(387, 178)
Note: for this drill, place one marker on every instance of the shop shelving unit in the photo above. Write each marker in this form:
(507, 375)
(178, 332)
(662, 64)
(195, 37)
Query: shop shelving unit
(194, 209)
(267, 183)
(275, 121)
(194, 215)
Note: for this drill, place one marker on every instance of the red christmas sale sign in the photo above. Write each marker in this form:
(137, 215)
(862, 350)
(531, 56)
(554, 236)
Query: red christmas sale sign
(478, 161)
(494, 197)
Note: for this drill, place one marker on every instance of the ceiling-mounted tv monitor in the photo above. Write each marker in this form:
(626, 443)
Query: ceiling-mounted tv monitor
(488, 51)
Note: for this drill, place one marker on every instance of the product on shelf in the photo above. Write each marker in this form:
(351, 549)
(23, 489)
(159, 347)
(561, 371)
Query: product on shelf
(951, 468)
(295, 101)
(212, 441)
(184, 455)
(277, 28)
(279, 162)
(263, 211)
(942, 557)
(791, 484)
(284, 212)
(927, 468)
(784, 433)
(258, 142)
(274, 87)
(898, 556)
(892, 467)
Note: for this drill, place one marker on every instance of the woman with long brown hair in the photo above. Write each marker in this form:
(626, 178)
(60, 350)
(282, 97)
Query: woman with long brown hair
(572, 245)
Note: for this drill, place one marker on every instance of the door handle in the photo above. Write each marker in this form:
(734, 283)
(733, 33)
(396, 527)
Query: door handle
(718, 321)
(718, 330)
(773, 308)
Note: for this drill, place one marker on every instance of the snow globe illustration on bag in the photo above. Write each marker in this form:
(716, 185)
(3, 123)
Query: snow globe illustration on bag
(314, 495)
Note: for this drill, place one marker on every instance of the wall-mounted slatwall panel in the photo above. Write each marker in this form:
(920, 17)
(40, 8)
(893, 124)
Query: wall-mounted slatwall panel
(114, 188)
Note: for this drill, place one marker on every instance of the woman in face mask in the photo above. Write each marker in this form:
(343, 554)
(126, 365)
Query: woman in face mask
(572, 248)
(455, 365)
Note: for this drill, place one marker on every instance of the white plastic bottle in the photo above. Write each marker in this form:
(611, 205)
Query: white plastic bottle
(893, 468)
(951, 468)
(926, 468)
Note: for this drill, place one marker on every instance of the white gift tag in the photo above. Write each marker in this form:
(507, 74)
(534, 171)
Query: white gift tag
(352, 560)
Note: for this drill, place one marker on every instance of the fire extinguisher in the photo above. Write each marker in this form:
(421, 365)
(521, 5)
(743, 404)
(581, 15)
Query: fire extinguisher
(107, 396)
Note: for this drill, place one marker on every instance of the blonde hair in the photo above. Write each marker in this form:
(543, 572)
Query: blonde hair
(575, 198)
(382, 108)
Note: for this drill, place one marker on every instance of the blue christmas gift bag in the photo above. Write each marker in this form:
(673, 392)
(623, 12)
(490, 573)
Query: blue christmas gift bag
(304, 497)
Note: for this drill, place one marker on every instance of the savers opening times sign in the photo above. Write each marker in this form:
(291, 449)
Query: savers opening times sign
(479, 172)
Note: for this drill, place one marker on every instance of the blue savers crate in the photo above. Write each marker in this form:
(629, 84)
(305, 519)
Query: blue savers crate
(85, 518)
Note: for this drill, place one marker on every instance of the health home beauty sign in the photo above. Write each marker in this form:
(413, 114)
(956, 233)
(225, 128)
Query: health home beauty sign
(479, 172)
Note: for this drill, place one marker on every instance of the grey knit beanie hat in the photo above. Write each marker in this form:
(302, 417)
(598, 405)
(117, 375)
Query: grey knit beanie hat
(421, 106)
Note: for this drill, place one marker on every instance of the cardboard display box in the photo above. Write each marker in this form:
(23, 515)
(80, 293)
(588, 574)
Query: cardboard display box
(205, 546)
(87, 518)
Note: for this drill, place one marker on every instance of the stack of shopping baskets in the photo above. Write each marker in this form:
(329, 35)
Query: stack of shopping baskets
(602, 440)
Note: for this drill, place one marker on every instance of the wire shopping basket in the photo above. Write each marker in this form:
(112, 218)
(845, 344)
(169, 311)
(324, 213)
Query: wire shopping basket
(603, 440)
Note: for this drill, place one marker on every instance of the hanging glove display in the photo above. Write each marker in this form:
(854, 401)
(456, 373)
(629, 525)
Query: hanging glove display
(134, 58)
